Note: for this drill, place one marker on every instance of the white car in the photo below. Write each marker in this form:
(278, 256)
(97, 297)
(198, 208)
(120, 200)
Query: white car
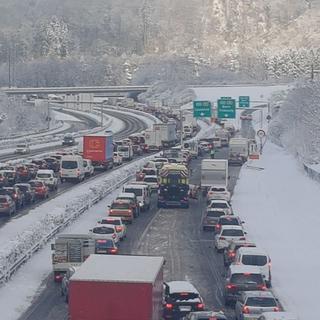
(274, 315)
(221, 205)
(47, 176)
(152, 181)
(251, 304)
(121, 228)
(255, 257)
(88, 167)
(117, 159)
(22, 148)
(227, 234)
(105, 231)
(218, 192)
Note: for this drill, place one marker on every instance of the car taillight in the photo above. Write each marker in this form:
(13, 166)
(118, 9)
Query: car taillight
(276, 309)
(113, 250)
(245, 310)
(111, 211)
(200, 306)
(118, 229)
(114, 236)
(262, 287)
(78, 171)
(169, 305)
(222, 238)
(230, 286)
(231, 254)
(58, 277)
(15, 196)
(242, 238)
(218, 226)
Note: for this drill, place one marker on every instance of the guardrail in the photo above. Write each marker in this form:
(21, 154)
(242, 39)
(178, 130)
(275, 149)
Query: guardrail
(6, 275)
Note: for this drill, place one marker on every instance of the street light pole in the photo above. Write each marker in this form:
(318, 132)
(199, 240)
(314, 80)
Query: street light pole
(181, 127)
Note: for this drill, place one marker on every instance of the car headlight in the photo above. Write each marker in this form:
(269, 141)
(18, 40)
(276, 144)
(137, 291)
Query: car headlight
(140, 204)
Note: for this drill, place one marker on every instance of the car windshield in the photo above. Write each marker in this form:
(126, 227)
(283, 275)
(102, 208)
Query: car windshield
(137, 192)
(150, 179)
(21, 146)
(261, 302)
(69, 164)
(254, 260)
(215, 214)
(23, 188)
(123, 149)
(219, 205)
(120, 206)
(110, 221)
(232, 233)
(44, 175)
(245, 278)
(103, 230)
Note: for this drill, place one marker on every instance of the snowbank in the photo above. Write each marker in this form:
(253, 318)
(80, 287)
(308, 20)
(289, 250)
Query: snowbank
(279, 205)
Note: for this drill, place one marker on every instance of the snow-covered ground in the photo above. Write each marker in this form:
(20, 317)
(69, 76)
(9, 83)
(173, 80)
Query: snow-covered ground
(64, 117)
(279, 205)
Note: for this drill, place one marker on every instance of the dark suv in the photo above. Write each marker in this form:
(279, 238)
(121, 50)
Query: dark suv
(29, 193)
(180, 298)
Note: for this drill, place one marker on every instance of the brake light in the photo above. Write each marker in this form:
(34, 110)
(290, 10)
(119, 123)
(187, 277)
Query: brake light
(218, 226)
(169, 305)
(231, 254)
(113, 250)
(58, 277)
(262, 287)
(184, 294)
(111, 211)
(276, 309)
(200, 306)
(118, 229)
(247, 273)
(245, 310)
(101, 241)
(231, 286)
(114, 236)
(242, 238)
(222, 238)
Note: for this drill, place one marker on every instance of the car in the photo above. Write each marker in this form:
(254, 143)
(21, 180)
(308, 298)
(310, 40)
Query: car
(251, 304)
(48, 177)
(122, 208)
(105, 231)
(16, 195)
(11, 175)
(132, 197)
(220, 204)
(72, 168)
(242, 278)
(206, 315)
(142, 192)
(228, 234)
(152, 181)
(88, 167)
(137, 150)
(7, 205)
(29, 193)
(42, 164)
(210, 218)
(146, 172)
(33, 169)
(65, 282)
(218, 192)
(40, 188)
(117, 159)
(3, 179)
(228, 220)
(255, 257)
(22, 173)
(121, 228)
(180, 298)
(230, 252)
(281, 315)
(160, 161)
(104, 246)
(68, 140)
(22, 148)
(52, 163)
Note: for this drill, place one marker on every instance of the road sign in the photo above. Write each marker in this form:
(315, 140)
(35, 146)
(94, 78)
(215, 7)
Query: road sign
(244, 102)
(226, 108)
(202, 109)
(261, 133)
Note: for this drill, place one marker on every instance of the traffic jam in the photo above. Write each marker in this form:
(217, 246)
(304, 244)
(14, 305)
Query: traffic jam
(89, 266)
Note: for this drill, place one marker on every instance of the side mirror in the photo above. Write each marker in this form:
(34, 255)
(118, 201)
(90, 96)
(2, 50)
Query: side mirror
(242, 222)
(245, 232)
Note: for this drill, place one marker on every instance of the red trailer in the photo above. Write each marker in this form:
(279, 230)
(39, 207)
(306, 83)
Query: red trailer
(99, 149)
(117, 288)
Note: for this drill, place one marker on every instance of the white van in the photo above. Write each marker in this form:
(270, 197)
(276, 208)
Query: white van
(255, 257)
(142, 193)
(48, 177)
(72, 168)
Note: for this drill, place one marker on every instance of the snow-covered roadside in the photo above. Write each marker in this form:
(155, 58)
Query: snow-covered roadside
(285, 224)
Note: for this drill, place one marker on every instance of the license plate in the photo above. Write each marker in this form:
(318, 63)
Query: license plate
(185, 308)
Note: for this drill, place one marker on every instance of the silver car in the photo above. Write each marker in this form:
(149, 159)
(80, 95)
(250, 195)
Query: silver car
(251, 304)
(7, 205)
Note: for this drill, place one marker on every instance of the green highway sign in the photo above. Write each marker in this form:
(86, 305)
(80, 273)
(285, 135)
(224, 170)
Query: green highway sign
(226, 108)
(202, 109)
(244, 102)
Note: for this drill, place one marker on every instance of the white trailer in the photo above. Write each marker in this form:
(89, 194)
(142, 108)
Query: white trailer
(189, 120)
(161, 135)
(238, 150)
(214, 173)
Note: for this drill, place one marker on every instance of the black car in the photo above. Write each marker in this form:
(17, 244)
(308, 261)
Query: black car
(53, 164)
(29, 194)
(68, 140)
(16, 195)
(180, 298)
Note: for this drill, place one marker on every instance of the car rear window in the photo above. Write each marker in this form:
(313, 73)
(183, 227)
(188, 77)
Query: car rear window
(215, 214)
(149, 179)
(254, 260)
(110, 221)
(137, 192)
(69, 164)
(103, 230)
(218, 189)
(120, 206)
(23, 188)
(232, 232)
(104, 244)
(229, 221)
(44, 175)
(36, 183)
(261, 302)
(245, 278)
(150, 172)
(183, 296)
(219, 205)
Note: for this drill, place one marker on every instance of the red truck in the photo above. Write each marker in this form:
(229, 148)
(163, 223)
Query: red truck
(99, 149)
(117, 287)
